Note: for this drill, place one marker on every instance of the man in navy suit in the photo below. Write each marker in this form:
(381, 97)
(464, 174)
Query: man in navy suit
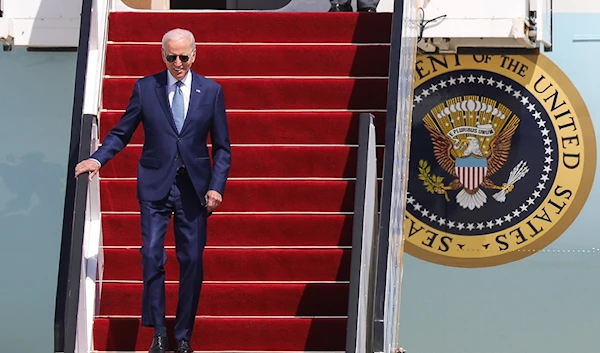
(177, 108)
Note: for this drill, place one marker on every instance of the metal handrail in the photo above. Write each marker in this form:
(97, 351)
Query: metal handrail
(364, 241)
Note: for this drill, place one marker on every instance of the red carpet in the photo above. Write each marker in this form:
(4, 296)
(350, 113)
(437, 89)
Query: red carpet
(258, 161)
(279, 93)
(249, 195)
(245, 230)
(277, 262)
(253, 27)
(260, 60)
(235, 299)
(242, 264)
(254, 127)
(236, 333)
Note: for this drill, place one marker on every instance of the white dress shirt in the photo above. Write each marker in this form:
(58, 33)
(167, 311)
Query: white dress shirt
(186, 89)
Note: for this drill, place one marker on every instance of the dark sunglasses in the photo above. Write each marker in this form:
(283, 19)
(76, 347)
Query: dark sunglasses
(183, 58)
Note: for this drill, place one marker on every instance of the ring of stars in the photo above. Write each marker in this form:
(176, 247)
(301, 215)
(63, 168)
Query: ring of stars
(544, 178)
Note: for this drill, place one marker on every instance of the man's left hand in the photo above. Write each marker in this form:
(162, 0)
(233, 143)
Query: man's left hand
(213, 200)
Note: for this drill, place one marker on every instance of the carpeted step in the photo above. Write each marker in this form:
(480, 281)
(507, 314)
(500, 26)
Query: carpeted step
(257, 60)
(253, 27)
(251, 196)
(279, 127)
(241, 264)
(238, 299)
(244, 230)
(230, 334)
(264, 162)
(277, 93)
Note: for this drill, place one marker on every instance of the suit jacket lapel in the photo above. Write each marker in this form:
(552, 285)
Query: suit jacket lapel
(195, 95)
(162, 95)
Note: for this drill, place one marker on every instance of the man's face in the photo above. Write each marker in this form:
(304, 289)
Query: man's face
(175, 54)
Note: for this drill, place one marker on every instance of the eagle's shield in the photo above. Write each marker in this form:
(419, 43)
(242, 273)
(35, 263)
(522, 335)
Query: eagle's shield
(471, 171)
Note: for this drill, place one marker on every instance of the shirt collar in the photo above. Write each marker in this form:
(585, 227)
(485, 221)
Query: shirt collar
(172, 80)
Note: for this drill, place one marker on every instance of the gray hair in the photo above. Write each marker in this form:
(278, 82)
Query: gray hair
(177, 34)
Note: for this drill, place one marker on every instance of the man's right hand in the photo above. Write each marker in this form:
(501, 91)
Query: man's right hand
(87, 166)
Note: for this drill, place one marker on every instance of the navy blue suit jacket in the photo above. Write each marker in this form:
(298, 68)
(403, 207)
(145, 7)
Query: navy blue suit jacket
(158, 165)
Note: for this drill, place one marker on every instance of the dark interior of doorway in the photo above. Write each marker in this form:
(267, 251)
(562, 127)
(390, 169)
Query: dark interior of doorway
(228, 4)
(198, 5)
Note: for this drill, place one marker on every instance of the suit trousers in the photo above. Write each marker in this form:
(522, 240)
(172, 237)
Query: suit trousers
(189, 224)
(361, 4)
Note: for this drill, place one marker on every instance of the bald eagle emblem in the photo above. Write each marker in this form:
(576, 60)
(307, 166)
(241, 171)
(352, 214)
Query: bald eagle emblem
(471, 138)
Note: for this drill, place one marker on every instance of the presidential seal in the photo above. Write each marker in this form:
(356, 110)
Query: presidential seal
(502, 158)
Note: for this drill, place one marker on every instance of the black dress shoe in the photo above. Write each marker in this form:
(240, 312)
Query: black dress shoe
(183, 347)
(159, 344)
(368, 9)
(341, 8)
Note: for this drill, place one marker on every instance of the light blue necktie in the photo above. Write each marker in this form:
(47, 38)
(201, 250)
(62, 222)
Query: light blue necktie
(177, 108)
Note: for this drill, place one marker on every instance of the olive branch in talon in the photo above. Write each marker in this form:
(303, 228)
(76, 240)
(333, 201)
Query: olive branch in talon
(433, 183)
